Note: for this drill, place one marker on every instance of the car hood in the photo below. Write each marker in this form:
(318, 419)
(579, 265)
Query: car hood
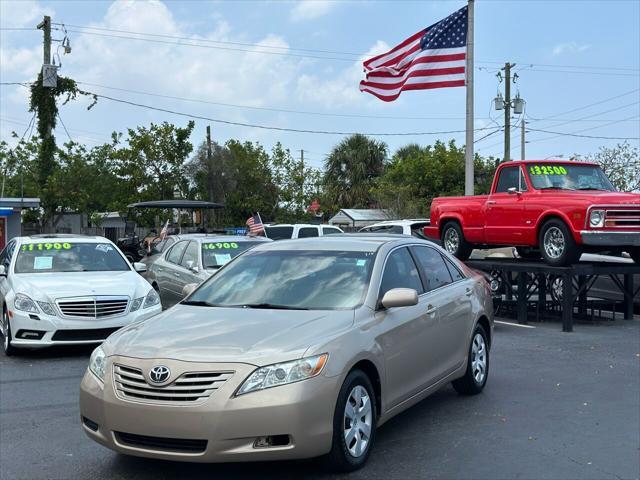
(596, 197)
(228, 335)
(51, 286)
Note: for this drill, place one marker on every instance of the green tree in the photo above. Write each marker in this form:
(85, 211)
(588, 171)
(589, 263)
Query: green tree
(621, 164)
(351, 170)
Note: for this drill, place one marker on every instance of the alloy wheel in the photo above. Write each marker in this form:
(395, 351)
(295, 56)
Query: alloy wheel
(554, 242)
(451, 240)
(478, 358)
(358, 421)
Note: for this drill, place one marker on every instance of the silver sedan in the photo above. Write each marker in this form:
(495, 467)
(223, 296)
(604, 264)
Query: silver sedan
(193, 259)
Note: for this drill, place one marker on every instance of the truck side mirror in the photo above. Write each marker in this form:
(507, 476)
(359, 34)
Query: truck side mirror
(512, 191)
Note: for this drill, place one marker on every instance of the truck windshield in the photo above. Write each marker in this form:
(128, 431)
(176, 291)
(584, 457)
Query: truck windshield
(568, 177)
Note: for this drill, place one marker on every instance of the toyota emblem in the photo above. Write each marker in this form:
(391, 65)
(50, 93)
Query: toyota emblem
(159, 374)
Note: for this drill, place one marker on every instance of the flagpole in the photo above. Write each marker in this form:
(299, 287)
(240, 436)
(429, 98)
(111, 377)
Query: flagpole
(468, 161)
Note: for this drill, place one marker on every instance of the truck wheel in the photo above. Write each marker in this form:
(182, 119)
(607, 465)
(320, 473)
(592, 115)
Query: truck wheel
(557, 245)
(453, 241)
(635, 255)
(528, 253)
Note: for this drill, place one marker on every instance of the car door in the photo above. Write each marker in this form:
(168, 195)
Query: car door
(504, 211)
(450, 290)
(5, 259)
(166, 271)
(189, 268)
(406, 332)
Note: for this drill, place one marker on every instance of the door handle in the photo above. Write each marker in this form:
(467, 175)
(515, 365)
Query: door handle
(491, 202)
(469, 292)
(431, 309)
(176, 274)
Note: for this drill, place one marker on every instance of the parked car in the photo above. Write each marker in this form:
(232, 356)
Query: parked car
(282, 231)
(192, 259)
(294, 349)
(413, 227)
(68, 289)
(554, 209)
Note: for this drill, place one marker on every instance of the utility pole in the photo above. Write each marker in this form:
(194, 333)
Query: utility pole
(211, 173)
(522, 142)
(45, 26)
(507, 111)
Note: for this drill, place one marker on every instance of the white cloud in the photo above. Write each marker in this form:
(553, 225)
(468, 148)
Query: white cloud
(570, 47)
(25, 13)
(310, 9)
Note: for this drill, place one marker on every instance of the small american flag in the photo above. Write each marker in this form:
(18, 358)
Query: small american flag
(164, 231)
(255, 224)
(432, 58)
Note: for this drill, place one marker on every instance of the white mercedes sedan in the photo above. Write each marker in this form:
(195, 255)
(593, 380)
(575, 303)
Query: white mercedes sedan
(68, 289)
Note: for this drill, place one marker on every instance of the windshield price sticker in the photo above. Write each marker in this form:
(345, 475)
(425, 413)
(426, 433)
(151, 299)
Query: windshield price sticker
(30, 247)
(547, 170)
(220, 246)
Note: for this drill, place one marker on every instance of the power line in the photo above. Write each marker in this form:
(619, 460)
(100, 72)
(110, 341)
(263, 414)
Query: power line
(576, 132)
(17, 28)
(65, 128)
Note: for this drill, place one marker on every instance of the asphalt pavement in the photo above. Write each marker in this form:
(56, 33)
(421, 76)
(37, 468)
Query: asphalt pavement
(556, 406)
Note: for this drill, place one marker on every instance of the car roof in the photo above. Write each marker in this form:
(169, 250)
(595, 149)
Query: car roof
(63, 237)
(408, 221)
(218, 237)
(556, 162)
(358, 242)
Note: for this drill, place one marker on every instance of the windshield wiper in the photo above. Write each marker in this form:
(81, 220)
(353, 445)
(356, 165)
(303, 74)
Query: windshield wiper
(556, 188)
(269, 306)
(593, 188)
(198, 303)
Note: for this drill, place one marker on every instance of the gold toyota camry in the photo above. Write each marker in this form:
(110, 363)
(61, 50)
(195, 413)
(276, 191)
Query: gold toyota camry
(294, 349)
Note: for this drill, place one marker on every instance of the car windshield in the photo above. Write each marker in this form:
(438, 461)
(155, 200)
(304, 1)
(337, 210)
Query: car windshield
(568, 177)
(216, 254)
(51, 257)
(293, 279)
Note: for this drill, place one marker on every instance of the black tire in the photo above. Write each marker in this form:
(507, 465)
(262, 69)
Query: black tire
(453, 241)
(340, 459)
(635, 255)
(7, 348)
(560, 249)
(470, 384)
(528, 253)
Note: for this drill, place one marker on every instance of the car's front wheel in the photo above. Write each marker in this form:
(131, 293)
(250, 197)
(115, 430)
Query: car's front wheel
(475, 377)
(6, 341)
(354, 424)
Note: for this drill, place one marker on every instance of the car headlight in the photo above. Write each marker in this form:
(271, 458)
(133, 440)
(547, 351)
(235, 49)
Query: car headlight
(151, 299)
(596, 218)
(47, 308)
(135, 305)
(24, 303)
(98, 363)
(283, 373)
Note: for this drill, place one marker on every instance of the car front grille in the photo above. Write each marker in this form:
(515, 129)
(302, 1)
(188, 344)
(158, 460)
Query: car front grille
(162, 443)
(190, 387)
(93, 307)
(622, 218)
(84, 335)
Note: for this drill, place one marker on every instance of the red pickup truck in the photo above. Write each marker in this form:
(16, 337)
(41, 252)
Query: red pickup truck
(549, 208)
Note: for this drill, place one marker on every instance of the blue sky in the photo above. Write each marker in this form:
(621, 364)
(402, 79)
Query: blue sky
(572, 59)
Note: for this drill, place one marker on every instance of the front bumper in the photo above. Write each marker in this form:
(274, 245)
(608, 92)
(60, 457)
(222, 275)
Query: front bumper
(602, 238)
(55, 330)
(227, 425)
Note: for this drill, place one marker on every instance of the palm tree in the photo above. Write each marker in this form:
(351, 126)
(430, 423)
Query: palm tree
(351, 169)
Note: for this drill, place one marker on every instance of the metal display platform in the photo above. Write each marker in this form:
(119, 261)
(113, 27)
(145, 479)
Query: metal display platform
(533, 280)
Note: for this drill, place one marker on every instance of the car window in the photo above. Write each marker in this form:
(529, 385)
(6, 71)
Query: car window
(508, 179)
(190, 257)
(433, 267)
(7, 254)
(400, 272)
(307, 232)
(176, 252)
(69, 256)
(170, 241)
(453, 270)
(279, 233)
(330, 230)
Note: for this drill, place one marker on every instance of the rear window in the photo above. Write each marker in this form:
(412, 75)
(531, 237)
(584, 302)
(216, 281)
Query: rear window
(279, 233)
(307, 232)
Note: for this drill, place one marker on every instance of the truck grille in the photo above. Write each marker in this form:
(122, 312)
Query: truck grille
(622, 218)
(93, 307)
(190, 387)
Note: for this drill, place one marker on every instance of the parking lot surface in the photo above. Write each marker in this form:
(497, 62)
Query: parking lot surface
(557, 406)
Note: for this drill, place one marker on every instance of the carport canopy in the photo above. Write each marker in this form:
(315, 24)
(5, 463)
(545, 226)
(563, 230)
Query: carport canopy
(195, 204)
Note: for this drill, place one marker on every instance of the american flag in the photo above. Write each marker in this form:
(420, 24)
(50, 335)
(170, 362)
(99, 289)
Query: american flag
(432, 58)
(165, 230)
(255, 224)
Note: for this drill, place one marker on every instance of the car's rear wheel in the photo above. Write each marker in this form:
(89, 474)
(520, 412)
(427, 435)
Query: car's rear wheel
(528, 253)
(354, 424)
(475, 377)
(6, 340)
(454, 242)
(557, 245)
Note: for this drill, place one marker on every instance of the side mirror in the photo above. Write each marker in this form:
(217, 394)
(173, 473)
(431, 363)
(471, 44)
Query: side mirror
(191, 265)
(139, 267)
(3, 271)
(188, 289)
(512, 190)
(400, 297)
